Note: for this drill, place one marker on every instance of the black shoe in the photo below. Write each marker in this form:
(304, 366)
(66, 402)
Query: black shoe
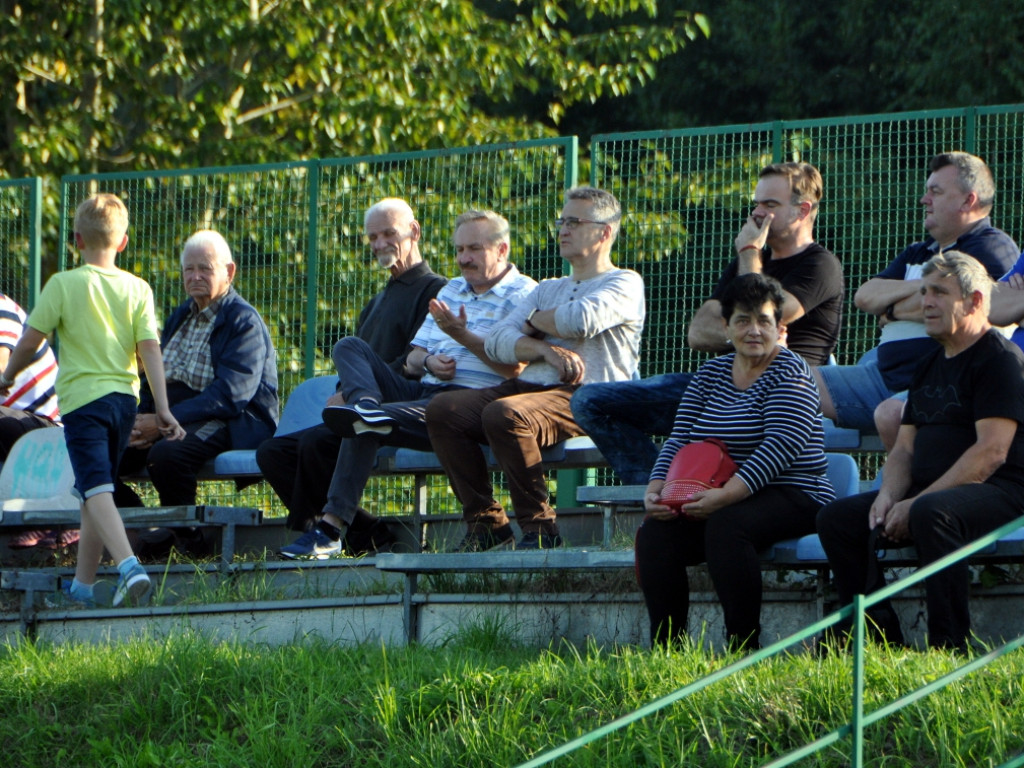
(480, 539)
(368, 535)
(539, 540)
(157, 543)
(352, 420)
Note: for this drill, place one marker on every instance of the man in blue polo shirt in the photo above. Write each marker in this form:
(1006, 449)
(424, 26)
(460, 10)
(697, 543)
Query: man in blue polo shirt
(957, 200)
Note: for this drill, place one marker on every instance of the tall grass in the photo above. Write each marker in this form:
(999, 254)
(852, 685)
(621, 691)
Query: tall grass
(477, 701)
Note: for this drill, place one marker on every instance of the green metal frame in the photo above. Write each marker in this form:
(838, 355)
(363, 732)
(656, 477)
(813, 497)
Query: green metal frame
(21, 239)
(859, 720)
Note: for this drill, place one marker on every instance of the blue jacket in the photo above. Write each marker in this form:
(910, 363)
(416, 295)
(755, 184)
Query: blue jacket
(243, 393)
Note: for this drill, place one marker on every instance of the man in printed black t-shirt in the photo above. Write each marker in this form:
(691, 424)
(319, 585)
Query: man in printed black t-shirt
(777, 240)
(957, 469)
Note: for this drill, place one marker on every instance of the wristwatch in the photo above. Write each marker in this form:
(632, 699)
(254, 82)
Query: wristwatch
(890, 312)
(529, 317)
(425, 369)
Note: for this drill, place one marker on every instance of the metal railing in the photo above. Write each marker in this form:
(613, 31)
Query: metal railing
(859, 719)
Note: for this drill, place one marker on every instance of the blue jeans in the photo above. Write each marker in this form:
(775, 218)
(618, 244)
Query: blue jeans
(856, 390)
(621, 416)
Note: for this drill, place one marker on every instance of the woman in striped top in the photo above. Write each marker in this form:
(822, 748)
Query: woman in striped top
(762, 402)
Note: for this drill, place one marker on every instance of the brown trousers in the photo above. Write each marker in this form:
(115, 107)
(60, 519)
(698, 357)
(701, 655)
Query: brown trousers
(516, 419)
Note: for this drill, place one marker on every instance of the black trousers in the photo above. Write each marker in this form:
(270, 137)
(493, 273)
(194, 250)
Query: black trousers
(14, 424)
(729, 541)
(173, 465)
(299, 468)
(940, 523)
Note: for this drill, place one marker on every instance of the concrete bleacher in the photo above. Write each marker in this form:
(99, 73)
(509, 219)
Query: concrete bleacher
(38, 506)
(36, 486)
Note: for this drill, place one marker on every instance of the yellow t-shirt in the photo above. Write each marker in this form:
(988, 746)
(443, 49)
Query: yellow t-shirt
(100, 315)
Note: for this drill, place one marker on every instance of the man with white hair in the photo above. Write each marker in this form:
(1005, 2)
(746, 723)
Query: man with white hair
(221, 372)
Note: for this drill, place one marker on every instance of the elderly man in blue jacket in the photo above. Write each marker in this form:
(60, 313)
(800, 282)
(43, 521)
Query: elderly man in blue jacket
(221, 373)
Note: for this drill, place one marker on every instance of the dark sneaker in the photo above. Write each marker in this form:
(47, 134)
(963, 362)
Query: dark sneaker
(352, 420)
(481, 539)
(312, 545)
(133, 588)
(157, 543)
(538, 540)
(368, 539)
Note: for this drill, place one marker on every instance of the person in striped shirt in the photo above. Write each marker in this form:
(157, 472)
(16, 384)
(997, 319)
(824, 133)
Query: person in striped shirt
(760, 401)
(32, 402)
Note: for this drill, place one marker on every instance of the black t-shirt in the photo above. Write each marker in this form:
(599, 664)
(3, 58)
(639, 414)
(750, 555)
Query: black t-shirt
(815, 278)
(949, 395)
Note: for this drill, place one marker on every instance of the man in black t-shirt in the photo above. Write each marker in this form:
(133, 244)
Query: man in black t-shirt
(957, 469)
(777, 239)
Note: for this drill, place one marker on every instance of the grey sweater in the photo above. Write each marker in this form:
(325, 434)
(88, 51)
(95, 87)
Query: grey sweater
(600, 319)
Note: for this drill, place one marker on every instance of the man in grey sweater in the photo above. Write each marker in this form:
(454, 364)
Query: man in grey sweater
(569, 331)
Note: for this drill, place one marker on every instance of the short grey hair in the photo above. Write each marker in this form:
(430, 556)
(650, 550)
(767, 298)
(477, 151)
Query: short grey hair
(970, 273)
(972, 175)
(499, 224)
(606, 206)
(208, 238)
(396, 204)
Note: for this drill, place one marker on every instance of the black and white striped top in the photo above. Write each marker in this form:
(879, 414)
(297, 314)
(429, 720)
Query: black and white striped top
(773, 428)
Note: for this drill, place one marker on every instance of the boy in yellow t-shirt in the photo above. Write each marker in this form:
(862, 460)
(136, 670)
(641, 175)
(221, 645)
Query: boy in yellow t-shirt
(102, 316)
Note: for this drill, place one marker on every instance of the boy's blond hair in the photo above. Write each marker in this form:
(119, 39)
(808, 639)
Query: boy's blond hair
(101, 221)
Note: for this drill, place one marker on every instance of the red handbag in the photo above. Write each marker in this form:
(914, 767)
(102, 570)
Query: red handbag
(696, 467)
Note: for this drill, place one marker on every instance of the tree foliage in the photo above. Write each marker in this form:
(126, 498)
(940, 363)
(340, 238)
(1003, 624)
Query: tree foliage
(141, 84)
(796, 59)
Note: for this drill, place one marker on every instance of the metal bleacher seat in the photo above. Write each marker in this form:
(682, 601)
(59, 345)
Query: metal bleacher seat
(302, 409)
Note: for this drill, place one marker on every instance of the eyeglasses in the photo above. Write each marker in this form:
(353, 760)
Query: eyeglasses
(572, 222)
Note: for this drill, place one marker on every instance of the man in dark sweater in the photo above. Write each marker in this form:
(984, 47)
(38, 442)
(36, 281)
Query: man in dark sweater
(299, 466)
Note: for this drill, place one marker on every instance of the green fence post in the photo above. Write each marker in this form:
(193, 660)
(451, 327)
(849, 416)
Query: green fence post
(857, 721)
(35, 266)
(971, 130)
(312, 266)
(572, 162)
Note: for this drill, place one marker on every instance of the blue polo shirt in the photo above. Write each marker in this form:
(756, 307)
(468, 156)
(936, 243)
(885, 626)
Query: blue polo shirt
(996, 250)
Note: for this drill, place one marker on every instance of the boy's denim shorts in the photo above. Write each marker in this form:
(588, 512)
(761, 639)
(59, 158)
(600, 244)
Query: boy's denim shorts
(856, 391)
(96, 435)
